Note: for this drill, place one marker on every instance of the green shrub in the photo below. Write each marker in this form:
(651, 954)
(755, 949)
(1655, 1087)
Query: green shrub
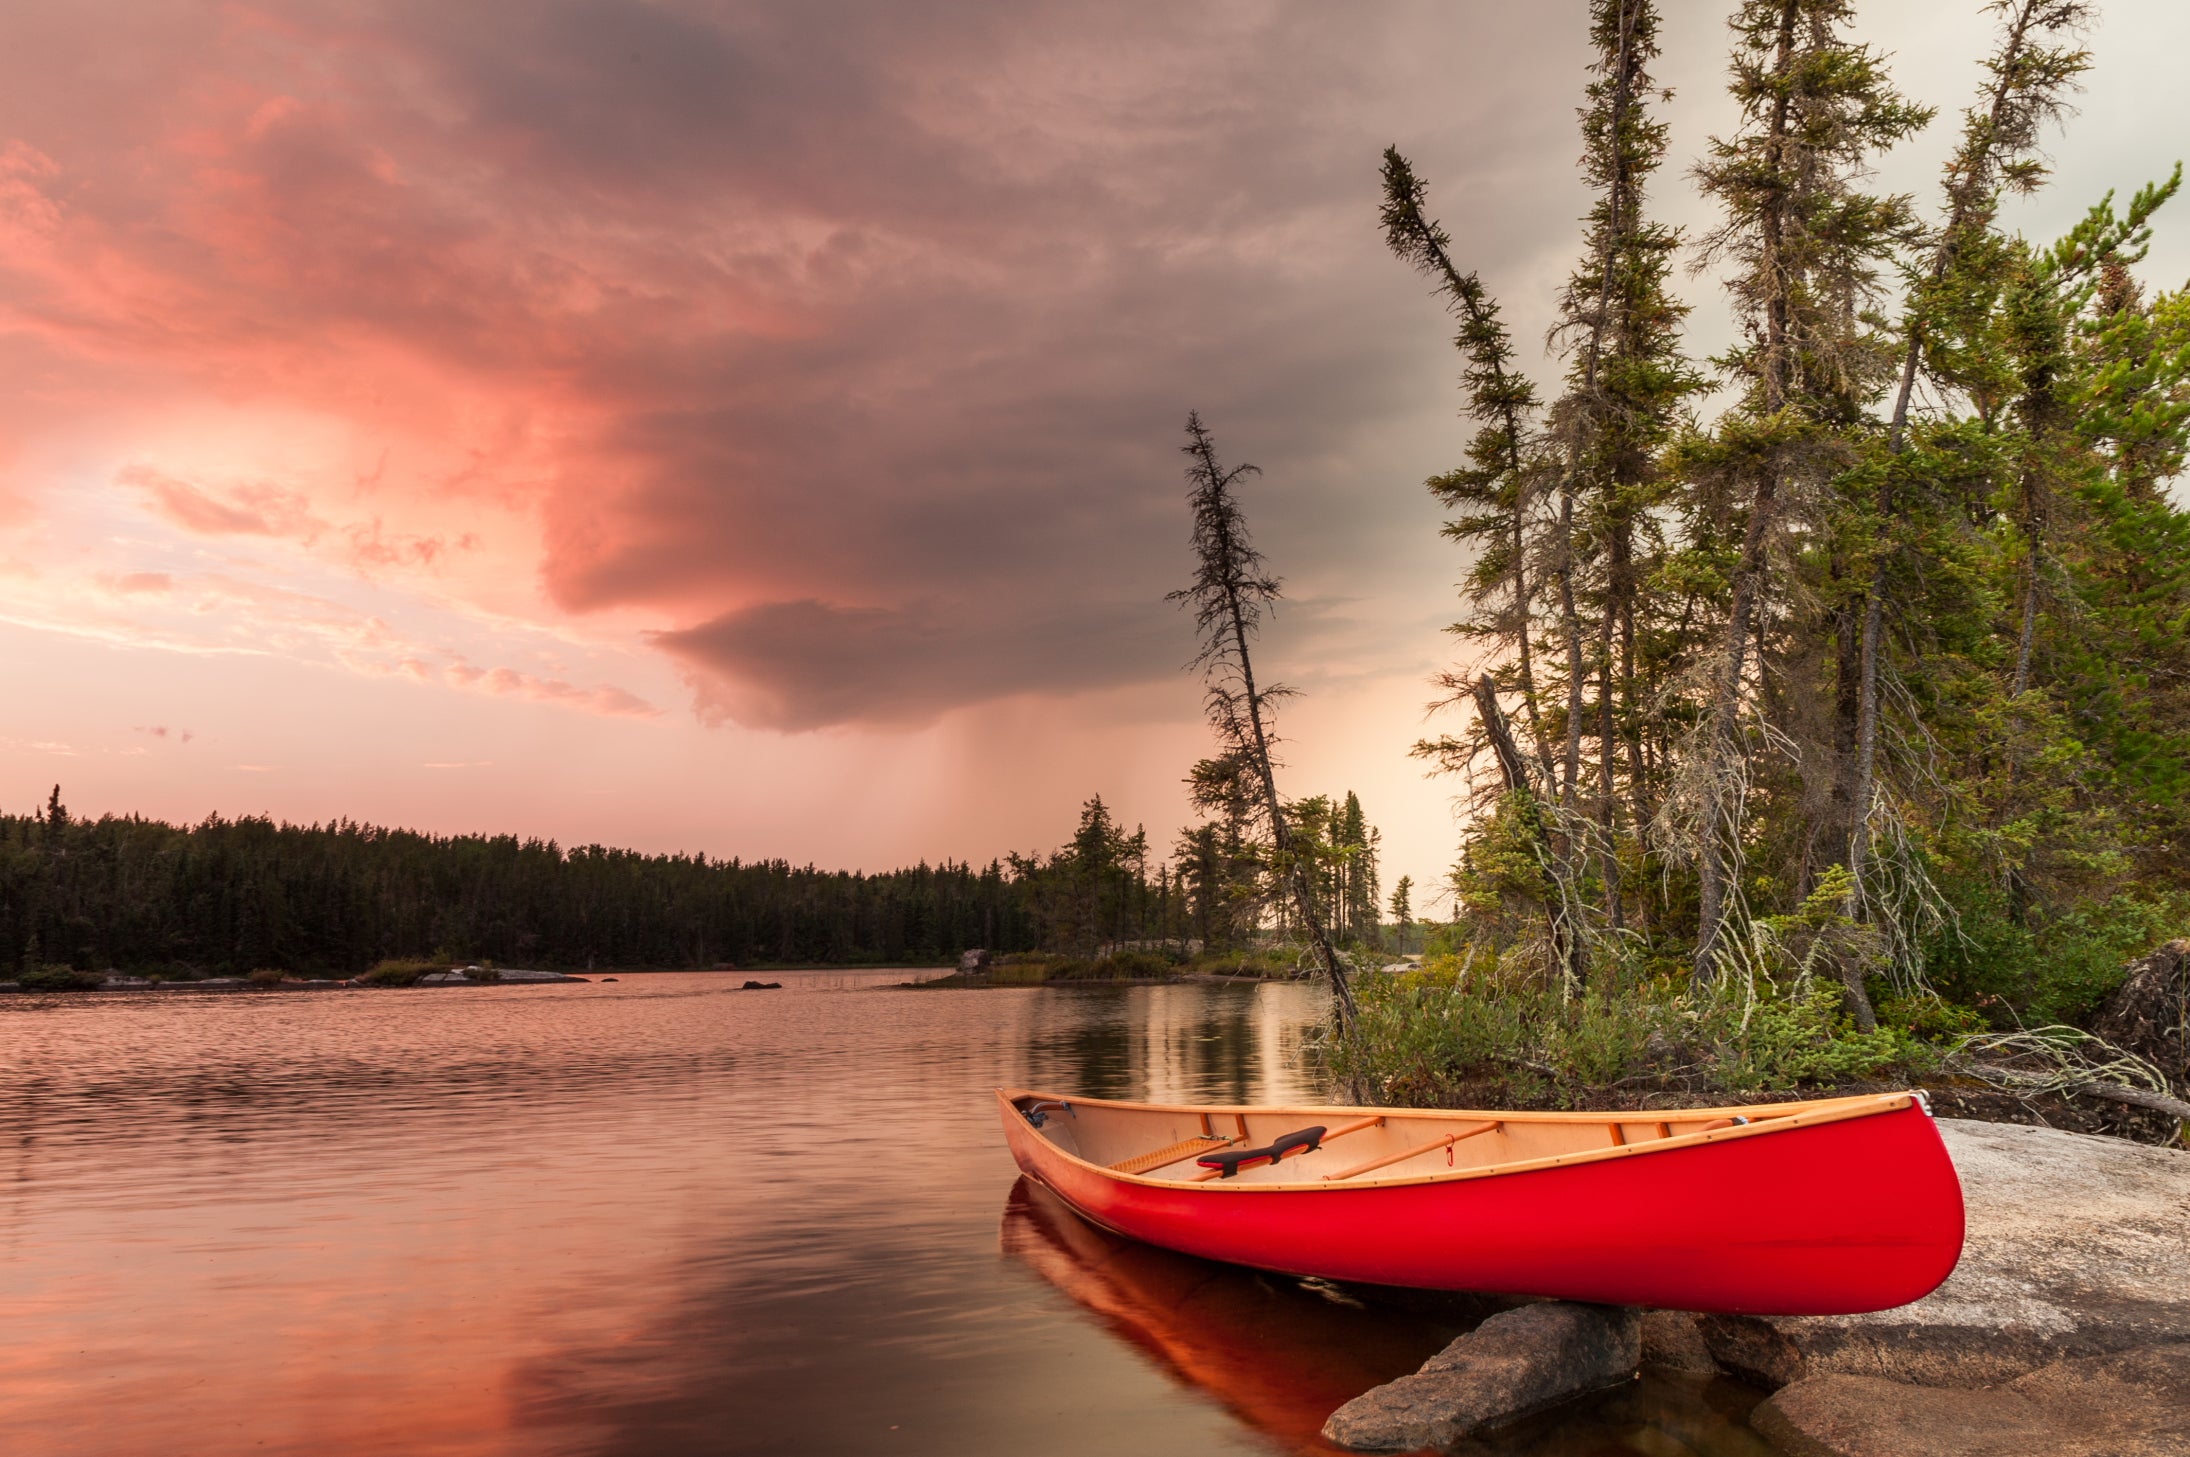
(57, 978)
(1136, 964)
(400, 972)
(1802, 1039)
(1461, 1034)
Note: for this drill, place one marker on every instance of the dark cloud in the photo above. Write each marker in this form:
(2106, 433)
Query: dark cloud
(847, 309)
(807, 664)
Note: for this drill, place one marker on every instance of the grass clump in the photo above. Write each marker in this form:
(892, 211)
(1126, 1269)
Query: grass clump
(1118, 966)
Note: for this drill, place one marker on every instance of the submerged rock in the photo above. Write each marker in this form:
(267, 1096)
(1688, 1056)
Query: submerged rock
(2130, 1404)
(762, 986)
(2077, 1246)
(1511, 1366)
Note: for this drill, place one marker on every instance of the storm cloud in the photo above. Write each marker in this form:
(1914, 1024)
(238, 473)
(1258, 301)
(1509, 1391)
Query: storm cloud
(849, 341)
(844, 343)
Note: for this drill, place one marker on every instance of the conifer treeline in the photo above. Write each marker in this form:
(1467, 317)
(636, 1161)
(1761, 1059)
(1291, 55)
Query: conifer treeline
(233, 895)
(1883, 668)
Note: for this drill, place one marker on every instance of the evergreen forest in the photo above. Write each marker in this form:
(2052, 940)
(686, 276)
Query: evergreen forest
(1834, 689)
(232, 896)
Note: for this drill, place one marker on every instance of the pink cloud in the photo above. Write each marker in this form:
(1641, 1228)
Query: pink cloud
(240, 510)
(509, 682)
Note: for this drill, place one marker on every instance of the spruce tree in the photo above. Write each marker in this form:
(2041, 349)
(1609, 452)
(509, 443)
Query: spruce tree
(1807, 245)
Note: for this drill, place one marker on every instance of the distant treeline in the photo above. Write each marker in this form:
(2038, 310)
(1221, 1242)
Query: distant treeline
(230, 896)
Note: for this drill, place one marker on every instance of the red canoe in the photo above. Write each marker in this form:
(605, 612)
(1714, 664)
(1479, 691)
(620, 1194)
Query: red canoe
(1824, 1208)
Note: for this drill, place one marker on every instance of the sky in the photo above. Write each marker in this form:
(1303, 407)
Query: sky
(752, 428)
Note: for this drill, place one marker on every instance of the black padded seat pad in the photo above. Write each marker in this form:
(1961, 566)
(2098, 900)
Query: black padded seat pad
(1305, 1140)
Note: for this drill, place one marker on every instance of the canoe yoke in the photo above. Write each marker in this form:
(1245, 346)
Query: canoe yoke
(1306, 1140)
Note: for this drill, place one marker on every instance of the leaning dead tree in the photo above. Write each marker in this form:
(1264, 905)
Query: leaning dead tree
(1231, 589)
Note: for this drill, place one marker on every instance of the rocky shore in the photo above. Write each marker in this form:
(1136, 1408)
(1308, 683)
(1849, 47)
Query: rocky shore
(2064, 1330)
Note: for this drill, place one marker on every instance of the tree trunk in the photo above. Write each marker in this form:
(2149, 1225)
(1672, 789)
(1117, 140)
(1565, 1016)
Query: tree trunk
(1719, 840)
(1281, 837)
(1566, 946)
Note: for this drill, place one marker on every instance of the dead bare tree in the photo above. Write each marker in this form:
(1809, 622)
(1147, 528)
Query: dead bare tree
(1231, 590)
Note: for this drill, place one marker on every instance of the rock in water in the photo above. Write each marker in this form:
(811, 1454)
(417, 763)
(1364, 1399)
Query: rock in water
(1673, 1341)
(1511, 1366)
(2077, 1246)
(2132, 1404)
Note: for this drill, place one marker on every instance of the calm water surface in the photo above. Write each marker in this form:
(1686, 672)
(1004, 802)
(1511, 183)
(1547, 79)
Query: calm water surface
(658, 1216)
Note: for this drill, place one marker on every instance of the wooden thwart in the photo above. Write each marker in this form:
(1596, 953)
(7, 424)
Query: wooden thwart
(1407, 1153)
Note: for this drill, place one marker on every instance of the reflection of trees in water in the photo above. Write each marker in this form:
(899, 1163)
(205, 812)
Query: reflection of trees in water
(1181, 1044)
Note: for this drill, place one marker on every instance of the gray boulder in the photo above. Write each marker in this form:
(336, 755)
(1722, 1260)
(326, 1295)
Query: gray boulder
(1673, 1341)
(2130, 1404)
(1511, 1366)
(2077, 1246)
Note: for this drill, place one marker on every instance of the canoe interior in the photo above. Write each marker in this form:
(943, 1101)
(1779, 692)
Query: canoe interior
(1127, 1139)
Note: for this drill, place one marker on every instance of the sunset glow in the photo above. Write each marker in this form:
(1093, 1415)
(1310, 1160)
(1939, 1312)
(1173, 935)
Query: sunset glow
(751, 429)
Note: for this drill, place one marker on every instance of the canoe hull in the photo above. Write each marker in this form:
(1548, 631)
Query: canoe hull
(1834, 1218)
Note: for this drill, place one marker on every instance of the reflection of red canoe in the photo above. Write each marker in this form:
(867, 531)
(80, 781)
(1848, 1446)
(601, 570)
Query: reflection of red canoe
(1280, 1358)
(1831, 1207)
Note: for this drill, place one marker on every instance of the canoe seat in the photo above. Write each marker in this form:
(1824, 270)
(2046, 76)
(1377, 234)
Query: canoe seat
(1228, 1163)
(1141, 1163)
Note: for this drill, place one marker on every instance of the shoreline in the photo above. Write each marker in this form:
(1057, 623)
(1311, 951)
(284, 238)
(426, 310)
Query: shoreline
(92, 982)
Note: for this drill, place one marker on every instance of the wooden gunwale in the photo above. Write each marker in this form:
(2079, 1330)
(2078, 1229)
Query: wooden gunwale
(1766, 1119)
(1402, 1155)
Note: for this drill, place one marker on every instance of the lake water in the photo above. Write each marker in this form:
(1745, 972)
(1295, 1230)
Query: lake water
(654, 1217)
